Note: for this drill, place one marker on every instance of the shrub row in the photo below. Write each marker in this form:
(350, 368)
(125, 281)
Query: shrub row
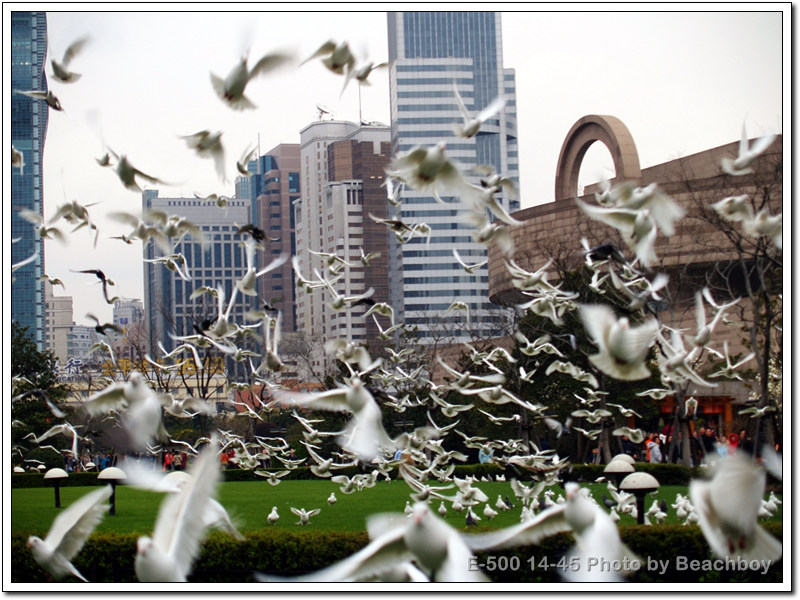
(666, 474)
(109, 557)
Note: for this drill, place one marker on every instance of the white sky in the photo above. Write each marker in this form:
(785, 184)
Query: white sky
(682, 82)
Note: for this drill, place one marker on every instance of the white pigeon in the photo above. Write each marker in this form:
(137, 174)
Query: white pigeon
(231, 89)
(208, 144)
(742, 164)
(472, 125)
(489, 512)
(128, 174)
(140, 406)
(339, 57)
(364, 433)
(730, 370)
(622, 348)
(179, 530)
(48, 96)
(64, 429)
(361, 73)
(442, 510)
(727, 508)
(704, 328)
(61, 68)
(305, 515)
(439, 551)
(676, 362)
(469, 268)
(69, 533)
(635, 435)
(767, 225)
(332, 498)
(661, 207)
(638, 228)
(273, 516)
(17, 160)
(427, 168)
(734, 208)
(247, 284)
(216, 517)
(596, 537)
(272, 477)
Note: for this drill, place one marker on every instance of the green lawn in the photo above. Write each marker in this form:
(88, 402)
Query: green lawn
(248, 503)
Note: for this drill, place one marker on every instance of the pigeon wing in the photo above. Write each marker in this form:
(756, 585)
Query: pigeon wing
(494, 107)
(332, 400)
(268, 62)
(531, 532)
(73, 49)
(104, 401)
(71, 528)
(383, 552)
(178, 531)
(455, 565)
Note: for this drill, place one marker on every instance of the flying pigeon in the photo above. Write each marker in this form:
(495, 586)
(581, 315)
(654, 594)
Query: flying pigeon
(17, 160)
(209, 145)
(742, 164)
(231, 89)
(304, 515)
(169, 554)
(69, 533)
(472, 125)
(622, 348)
(364, 433)
(49, 97)
(140, 407)
(596, 537)
(338, 57)
(61, 68)
(727, 508)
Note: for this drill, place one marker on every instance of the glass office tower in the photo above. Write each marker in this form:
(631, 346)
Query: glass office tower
(429, 52)
(28, 129)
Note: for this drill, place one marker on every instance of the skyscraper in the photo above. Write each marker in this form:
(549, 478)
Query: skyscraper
(275, 188)
(217, 260)
(342, 171)
(429, 53)
(28, 130)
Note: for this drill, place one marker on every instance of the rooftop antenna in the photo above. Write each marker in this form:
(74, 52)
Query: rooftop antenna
(323, 110)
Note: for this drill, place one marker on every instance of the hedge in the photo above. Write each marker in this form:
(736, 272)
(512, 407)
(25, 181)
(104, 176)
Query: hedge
(667, 474)
(108, 558)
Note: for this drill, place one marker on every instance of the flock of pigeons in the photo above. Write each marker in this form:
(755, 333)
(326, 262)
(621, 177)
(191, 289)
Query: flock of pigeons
(417, 544)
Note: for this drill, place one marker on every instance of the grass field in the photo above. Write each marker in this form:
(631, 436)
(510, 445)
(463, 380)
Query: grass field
(249, 503)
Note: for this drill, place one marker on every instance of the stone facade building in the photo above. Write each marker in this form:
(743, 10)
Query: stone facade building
(690, 257)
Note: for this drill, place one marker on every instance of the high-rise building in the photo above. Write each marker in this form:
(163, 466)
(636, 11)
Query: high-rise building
(275, 188)
(28, 130)
(57, 323)
(81, 338)
(342, 171)
(429, 53)
(217, 259)
(131, 343)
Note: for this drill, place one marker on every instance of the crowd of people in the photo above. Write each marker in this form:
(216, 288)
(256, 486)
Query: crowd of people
(665, 448)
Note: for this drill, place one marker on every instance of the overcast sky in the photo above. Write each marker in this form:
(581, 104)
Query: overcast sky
(682, 82)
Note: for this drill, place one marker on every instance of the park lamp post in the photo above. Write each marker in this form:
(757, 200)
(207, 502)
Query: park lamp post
(56, 475)
(112, 475)
(618, 469)
(639, 484)
(626, 457)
